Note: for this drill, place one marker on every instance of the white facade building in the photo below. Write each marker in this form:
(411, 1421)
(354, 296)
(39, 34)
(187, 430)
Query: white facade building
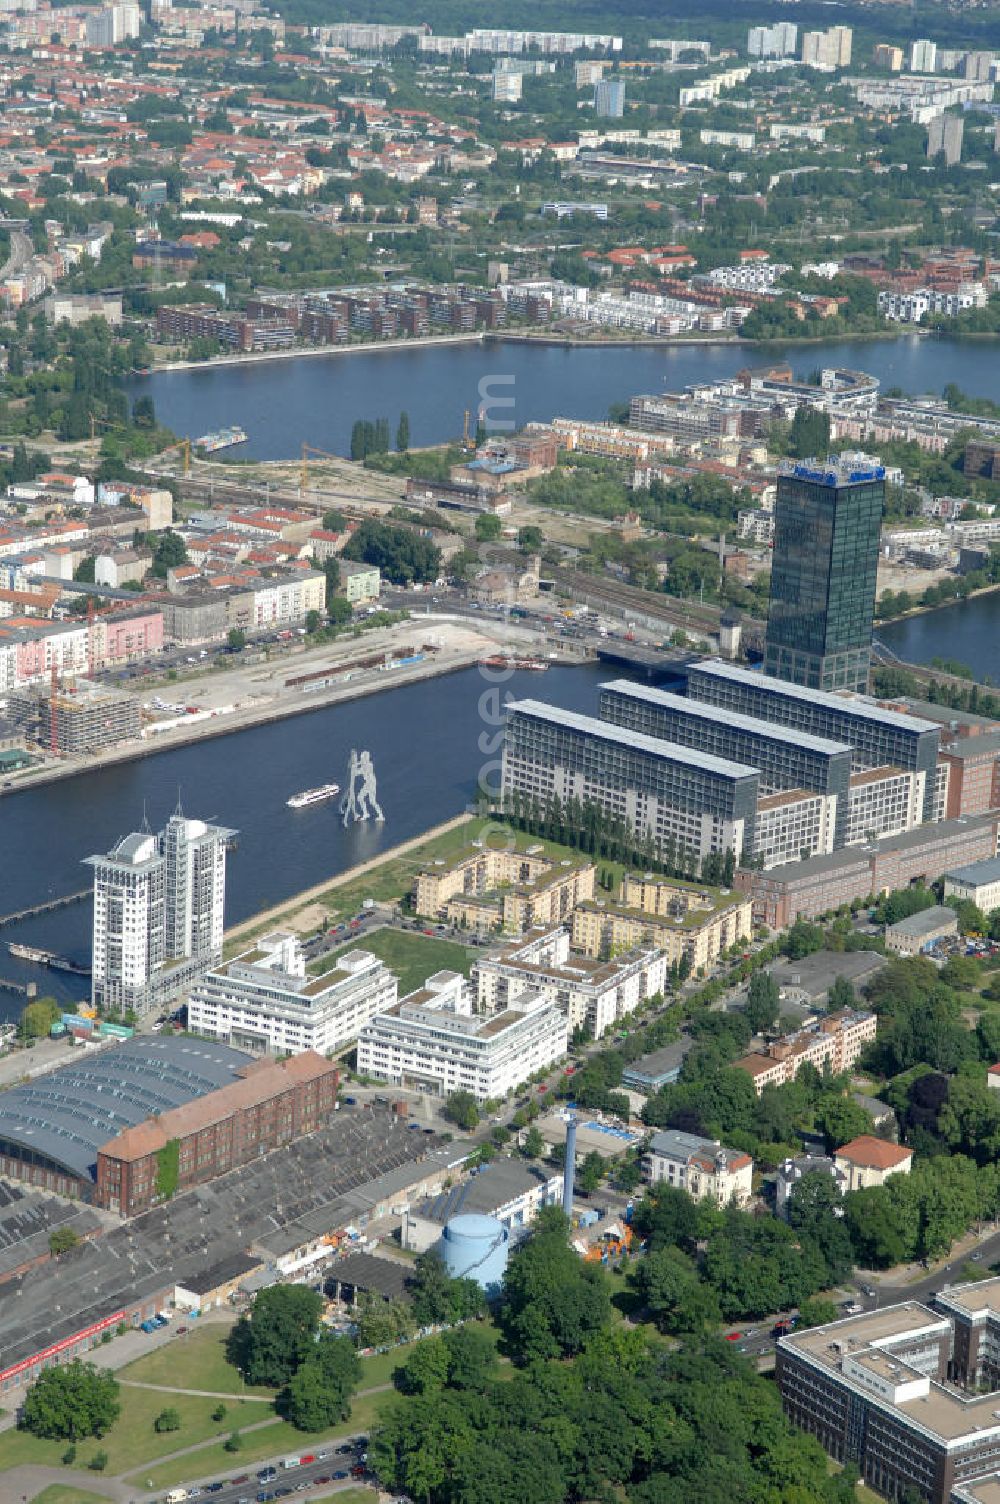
(590, 994)
(923, 56)
(263, 1000)
(158, 913)
(433, 1040)
(701, 1166)
(779, 40)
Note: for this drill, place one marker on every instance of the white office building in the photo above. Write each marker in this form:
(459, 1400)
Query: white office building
(589, 993)
(159, 902)
(264, 1001)
(432, 1040)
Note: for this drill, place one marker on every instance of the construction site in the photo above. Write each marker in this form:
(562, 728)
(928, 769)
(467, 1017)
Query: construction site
(75, 719)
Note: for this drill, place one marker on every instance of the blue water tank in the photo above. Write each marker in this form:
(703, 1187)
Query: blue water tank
(476, 1247)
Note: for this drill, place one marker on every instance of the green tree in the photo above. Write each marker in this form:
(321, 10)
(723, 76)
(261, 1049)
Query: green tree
(840, 1120)
(168, 553)
(403, 432)
(488, 527)
(318, 1395)
(437, 1298)
(38, 1017)
(269, 1343)
(841, 995)
(62, 1239)
(533, 1146)
(425, 1370)
(530, 539)
(763, 1001)
(462, 1109)
(313, 621)
(236, 639)
(167, 1420)
(552, 1301)
(71, 1402)
(677, 1299)
(810, 434)
(84, 571)
(144, 412)
(334, 521)
(817, 1312)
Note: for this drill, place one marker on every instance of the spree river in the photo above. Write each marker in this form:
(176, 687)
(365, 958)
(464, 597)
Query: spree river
(311, 399)
(428, 742)
(966, 631)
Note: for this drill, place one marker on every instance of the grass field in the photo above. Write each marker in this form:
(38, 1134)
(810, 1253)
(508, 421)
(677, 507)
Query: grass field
(195, 1361)
(66, 1493)
(413, 956)
(350, 1496)
(272, 1440)
(132, 1442)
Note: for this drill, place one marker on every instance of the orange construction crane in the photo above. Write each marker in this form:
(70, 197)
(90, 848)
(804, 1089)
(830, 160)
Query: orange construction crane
(184, 445)
(53, 712)
(307, 450)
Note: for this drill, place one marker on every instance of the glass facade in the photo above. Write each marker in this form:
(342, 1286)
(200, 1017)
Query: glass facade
(823, 574)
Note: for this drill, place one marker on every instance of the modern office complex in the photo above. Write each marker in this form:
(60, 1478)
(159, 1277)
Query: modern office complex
(262, 1000)
(432, 1040)
(158, 913)
(827, 522)
(786, 759)
(878, 738)
(667, 793)
(898, 1392)
(590, 993)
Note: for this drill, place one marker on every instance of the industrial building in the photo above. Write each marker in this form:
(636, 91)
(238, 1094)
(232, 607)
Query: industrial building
(919, 932)
(273, 1102)
(591, 994)
(508, 1191)
(878, 737)
(77, 719)
(158, 913)
(693, 803)
(432, 1040)
(263, 1000)
(978, 883)
(701, 1166)
(53, 1127)
(824, 883)
(898, 1392)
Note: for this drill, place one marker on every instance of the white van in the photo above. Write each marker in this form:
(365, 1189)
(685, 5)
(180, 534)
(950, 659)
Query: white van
(292, 1462)
(176, 1496)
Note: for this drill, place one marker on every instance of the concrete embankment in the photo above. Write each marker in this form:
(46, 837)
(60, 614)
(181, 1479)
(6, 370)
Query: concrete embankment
(341, 879)
(242, 720)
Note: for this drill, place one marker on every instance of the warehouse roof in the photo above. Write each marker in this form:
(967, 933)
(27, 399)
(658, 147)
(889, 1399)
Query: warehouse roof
(259, 1082)
(487, 1192)
(68, 1114)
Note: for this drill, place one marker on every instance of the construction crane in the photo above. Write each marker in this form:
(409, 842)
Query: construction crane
(307, 450)
(184, 445)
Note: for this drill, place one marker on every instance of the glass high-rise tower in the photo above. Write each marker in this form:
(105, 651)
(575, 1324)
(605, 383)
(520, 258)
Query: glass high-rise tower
(826, 541)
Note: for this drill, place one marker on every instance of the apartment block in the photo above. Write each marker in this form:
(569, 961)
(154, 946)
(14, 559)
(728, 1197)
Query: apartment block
(433, 1041)
(264, 1001)
(592, 994)
(692, 801)
(878, 737)
(701, 1166)
(834, 1041)
(504, 888)
(685, 922)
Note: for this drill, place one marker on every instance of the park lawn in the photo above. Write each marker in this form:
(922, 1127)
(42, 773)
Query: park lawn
(132, 1442)
(67, 1493)
(378, 1369)
(348, 1496)
(412, 956)
(195, 1361)
(274, 1440)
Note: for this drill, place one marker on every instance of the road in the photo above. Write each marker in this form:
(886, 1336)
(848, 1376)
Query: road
(305, 1480)
(21, 252)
